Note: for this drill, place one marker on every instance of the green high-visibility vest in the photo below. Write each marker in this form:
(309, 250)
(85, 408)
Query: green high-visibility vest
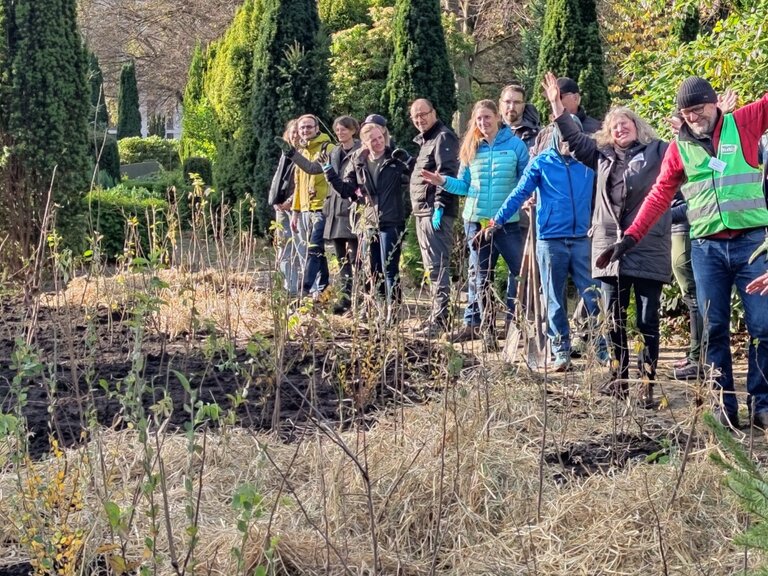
(722, 192)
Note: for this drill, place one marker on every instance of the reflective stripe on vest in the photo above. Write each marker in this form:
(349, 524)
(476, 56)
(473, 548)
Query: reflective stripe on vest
(731, 199)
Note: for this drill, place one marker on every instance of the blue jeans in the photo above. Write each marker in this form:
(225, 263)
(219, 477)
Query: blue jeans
(557, 259)
(386, 245)
(483, 256)
(316, 271)
(717, 266)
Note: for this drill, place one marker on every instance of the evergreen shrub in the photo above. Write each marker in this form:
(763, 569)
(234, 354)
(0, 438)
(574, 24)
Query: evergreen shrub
(200, 166)
(165, 151)
(113, 210)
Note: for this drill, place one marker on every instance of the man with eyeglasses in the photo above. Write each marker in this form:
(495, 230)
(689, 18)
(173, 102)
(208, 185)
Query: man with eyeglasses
(307, 218)
(434, 209)
(570, 95)
(714, 162)
(521, 117)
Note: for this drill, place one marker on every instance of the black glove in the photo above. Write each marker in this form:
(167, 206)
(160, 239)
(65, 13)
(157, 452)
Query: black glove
(285, 146)
(615, 252)
(403, 157)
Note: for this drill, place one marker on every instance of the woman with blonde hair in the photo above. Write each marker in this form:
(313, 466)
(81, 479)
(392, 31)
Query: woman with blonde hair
(492, 161)
(626, 155)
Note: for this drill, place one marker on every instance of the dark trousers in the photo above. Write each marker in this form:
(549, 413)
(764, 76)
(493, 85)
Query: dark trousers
(386, 246)
(616, 292)
(346, 253)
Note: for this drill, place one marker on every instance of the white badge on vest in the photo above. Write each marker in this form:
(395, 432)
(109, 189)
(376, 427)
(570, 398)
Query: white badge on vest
(717, 165)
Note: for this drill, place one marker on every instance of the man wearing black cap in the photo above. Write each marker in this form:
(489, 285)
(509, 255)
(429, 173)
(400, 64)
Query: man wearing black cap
(713, 160)
(570, 95)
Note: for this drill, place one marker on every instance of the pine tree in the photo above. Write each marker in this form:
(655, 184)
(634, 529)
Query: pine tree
(128, 114)
(44, 112)
(570, 46)
(198, 124)
(419, 68)
(290, 79)
(342, 14)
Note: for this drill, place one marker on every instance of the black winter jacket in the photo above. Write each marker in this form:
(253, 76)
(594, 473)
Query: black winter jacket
(282, 182)
(438, 152)
(651, 258)
(385, 205)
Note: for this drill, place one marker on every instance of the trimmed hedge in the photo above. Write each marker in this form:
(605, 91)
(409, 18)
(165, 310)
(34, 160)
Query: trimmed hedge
(164, 150)
(112, 209)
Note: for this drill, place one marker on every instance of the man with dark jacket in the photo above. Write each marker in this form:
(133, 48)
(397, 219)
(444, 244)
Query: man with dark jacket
(521, 117)
(434, 209)
(570, 94)
(714, 161)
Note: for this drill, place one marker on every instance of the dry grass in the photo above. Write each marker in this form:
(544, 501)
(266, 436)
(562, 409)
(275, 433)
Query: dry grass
(453, 487)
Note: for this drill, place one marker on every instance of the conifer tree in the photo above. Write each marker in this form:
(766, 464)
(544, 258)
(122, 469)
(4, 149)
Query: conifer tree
(570, 46)
(290, 79)
(227, 85)
(128, 114)
(198, 124)
(99, 113)
(44, 111)
(419, 68)
(342, 14)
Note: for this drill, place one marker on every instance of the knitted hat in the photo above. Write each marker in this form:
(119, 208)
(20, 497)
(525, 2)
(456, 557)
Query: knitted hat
(376, 119)
(694, 91)
(568, 86)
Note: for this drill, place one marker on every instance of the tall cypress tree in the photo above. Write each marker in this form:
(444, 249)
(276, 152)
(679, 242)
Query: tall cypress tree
(420, 67)
(103, 146)
(570, 46)
(228, 88)
(44, 123)
(128, 114)
(99, 113)
(591, 79)
(290, 79)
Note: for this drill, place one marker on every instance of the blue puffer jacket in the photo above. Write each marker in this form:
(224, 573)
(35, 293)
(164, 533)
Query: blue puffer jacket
(564, 200)
(493, 173)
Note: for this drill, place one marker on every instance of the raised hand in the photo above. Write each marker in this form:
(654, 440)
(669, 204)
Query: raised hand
(284, 145)
(552, 92)
(727, 100)
(325, 160)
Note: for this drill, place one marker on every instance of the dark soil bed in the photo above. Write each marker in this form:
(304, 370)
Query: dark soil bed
(86, 369)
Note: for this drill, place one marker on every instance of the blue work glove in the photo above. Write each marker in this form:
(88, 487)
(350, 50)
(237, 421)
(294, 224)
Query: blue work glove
(437, 217)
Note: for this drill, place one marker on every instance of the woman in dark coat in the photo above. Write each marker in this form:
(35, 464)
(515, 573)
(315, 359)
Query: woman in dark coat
(626, 156)
(289, 253)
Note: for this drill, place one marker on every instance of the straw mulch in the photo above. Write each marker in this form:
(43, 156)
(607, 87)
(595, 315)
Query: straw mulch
(232, 303)
(451, 487)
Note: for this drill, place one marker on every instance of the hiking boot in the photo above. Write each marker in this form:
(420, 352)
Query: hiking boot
(341, 307)
(562, 361)
(465, 334)
(688, 371)
(613, 387)
(727, 419)
(603, 357)
(760, 420)
(646, 396)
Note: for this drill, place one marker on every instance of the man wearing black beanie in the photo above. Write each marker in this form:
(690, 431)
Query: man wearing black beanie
(714, 162)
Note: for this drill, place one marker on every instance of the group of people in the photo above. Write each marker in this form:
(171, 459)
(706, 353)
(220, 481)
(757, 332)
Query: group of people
(617, 210)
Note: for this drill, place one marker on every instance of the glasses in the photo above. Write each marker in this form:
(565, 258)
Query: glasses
(307, 127)
(421, 115)
(693, 111)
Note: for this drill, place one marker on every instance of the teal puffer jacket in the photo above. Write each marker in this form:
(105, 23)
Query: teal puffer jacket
(491, 176)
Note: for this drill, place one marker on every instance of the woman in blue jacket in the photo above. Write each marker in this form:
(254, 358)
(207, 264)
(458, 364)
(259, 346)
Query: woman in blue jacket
(492, 161)
(563, 211)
